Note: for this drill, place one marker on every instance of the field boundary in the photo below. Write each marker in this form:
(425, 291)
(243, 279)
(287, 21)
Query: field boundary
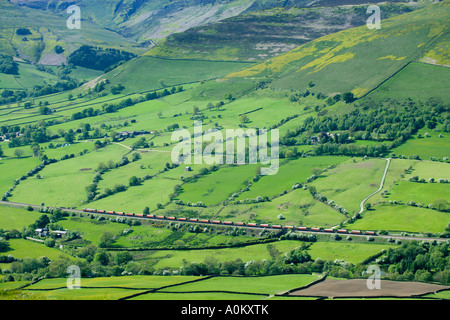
(164, 287)
(320, 279)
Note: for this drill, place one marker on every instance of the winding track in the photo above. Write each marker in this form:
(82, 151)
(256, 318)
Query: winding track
(383, 178)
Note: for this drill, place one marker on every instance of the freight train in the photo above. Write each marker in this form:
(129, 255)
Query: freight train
(239, 224)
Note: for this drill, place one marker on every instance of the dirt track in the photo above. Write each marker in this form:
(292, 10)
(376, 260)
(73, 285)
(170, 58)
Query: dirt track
(358, 288)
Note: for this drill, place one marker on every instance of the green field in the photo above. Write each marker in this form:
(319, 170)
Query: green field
(167, 72)
(409, 84)
(295, 171)
(403, 218)
(349, 183)
(63, 184)
(22, 248)
(428, 146)
(13, 218)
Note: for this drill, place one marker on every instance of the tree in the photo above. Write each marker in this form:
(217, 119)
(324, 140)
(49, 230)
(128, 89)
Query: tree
(1, 151)
(106, 239)
(18, 153)
(134, 181)
(49, 242)
(102, 257)
(146, 211)
(195, 109)
(123, 257)
(69, 137)
(312, 190)
(4, 245)
(440, 204)
(135, 156)
(244, 118)
(59, 49)
(42, 221)
(348, 97)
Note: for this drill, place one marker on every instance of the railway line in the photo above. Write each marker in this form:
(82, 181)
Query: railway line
(276, 227)
(261, 226)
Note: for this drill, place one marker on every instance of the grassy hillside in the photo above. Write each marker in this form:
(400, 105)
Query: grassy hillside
(333, 63)
(409, 84)
(49, 29)
(149, 73)
(263, 34)
(147, 21)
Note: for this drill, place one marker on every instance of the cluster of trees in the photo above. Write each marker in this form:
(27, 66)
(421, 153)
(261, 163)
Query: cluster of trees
(30, 134)
(59, 86)
(98, 58)
(370, 121)
(351, 150)
(10, 96)
(8, 65)
(417, 261)
(23, 32)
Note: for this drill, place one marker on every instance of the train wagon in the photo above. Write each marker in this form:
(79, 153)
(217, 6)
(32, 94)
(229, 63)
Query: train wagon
(171, 218)
(120, 213)
(342, 231)
(193, 220)
(182, 219)
(264, 225)
(328, 230)
(204, 221)
(130, 214)
(252, 224)
(160, 217)
(370, 233)
(277, 226)
(228, 222)
(100, 211)
(150, 216)
(216, 221)
(355, 232)
(315, 229)
(240, 224)
(302, 228)
(110, 212)
(288, 227)
(139, 215)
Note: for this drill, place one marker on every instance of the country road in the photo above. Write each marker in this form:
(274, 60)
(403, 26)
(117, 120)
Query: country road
(143, 150)
(379, 189)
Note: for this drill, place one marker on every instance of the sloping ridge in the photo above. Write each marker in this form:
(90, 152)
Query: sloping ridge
(357, 59)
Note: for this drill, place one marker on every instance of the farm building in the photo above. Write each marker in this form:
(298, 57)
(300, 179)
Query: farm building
(133, 133)
(43, 232)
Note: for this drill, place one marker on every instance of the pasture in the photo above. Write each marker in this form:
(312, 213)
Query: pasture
(398, 218)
